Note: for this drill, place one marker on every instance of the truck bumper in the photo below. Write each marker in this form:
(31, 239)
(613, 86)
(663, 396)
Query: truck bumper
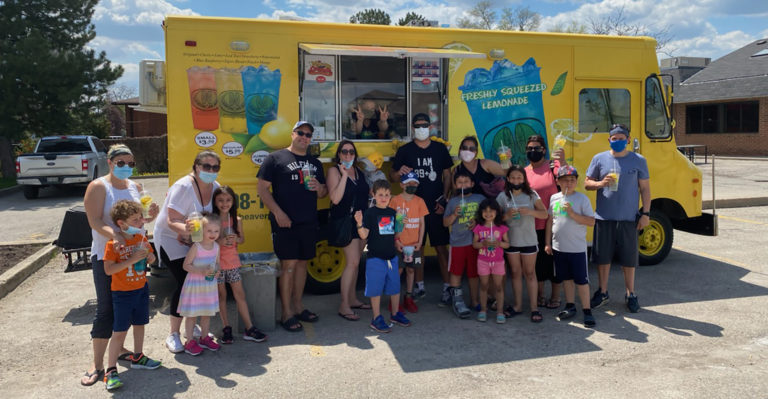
(705, 225)
(44, 181)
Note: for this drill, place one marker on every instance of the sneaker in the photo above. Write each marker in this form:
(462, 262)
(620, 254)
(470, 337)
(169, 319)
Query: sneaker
(193, 348)
(566, 313)
(254, 334)
(141, 361)
(226, 335)
(589, 321)
(481, 316)
(378, 324)
(599, 299)
(419, 294)
(399, 308)
(500, 318)
(400, 319)
(209, 343)
(410, 305)
(632, 304)
(196, 332)
(173, 343)
(445, 299)
(113, 380)
(460, 309)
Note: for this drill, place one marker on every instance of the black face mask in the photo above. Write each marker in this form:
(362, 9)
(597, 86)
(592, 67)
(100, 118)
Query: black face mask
(534, 156)
(516, 186)
(461, 192)
(411, 189)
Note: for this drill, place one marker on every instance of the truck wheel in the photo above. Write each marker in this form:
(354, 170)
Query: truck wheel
(655, 241)
(31, 192)
(324, 271)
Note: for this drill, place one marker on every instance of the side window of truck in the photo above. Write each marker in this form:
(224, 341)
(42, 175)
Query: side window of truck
(657, 124)
(600, 108)
(99, 146)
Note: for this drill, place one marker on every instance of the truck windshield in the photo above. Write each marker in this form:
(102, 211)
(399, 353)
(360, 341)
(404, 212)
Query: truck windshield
(63, 145)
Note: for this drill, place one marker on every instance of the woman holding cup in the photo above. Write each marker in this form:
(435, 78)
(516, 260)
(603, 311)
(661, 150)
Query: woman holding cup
(483, 172)
(100, 196)
(177, 223)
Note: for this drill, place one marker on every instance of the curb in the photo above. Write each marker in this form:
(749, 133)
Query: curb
(10, 190)
(149, 177)
(736, 203)
(17, 274)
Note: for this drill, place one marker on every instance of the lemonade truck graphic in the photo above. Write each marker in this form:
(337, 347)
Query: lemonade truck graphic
(236, 86)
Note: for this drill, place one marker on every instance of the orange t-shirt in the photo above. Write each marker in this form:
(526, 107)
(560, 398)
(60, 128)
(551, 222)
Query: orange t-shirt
(127, 279)
(414, 209)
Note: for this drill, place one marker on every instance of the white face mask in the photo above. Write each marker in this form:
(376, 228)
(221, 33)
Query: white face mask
(466, 156)
(421, 133)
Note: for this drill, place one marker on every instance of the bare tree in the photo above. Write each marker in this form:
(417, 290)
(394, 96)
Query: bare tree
(481, 16)
(616, 24)
(116, 114)
(521, 18)
(571, 27)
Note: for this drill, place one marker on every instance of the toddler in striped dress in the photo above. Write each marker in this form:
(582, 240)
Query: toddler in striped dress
(199, 295)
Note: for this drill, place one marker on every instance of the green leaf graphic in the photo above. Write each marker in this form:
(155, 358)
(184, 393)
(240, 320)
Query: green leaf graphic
(255, 144)
(559, 84)
(241, 138)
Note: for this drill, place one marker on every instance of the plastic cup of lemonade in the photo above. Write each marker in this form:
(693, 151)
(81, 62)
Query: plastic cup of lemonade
(307, 174)
(399, 221)
(615, 185)
(212, 269)
(146, 201)
(492, 240)
(141, 265)
(558, 143)
(505, 156)
(408, 253)
(197, 226)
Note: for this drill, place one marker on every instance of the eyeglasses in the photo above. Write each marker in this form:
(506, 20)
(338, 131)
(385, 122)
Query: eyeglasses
(468, 148)
(302, 133)
(538, 148)
(208, 167)
(347, 152)
(421, 125)
(121, 163)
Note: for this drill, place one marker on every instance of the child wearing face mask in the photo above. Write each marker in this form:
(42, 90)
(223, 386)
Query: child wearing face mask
(408, 244)
(127, 264)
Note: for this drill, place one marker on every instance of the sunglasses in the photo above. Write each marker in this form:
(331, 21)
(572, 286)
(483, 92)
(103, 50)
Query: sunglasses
(208, 167)
(421, 125)
(468, 148)
(302, 133)
(538, 148)
(121, 163)
(347, 152)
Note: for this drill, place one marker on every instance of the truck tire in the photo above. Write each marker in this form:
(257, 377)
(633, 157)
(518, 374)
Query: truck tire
(324, 271)
(655, 241)
(31, 192)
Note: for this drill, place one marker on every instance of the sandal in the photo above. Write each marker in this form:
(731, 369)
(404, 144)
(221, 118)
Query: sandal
(536, 316)
(553, 304)
(510, 312)
(91, 378)
(362, 306)
(349, 316)
(306, 316)
(541, 301)
(292, 325)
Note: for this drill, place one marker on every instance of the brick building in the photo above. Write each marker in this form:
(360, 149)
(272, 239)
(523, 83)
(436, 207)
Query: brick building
(139, 122)
(722, 104)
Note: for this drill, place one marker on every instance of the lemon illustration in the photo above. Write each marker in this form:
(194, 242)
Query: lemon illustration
(276, 134)
(455, 63)
(565, 128)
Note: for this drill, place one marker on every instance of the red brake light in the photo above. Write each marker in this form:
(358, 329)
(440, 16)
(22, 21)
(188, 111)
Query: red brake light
(18, 167)
(85, 165)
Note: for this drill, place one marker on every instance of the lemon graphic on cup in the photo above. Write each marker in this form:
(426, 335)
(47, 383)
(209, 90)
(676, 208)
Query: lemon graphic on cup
(276, 134)
(565, 128)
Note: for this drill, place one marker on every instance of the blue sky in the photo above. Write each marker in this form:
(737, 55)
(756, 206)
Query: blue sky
(129, 30)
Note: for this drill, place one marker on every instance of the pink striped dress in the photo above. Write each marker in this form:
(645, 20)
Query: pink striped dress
(200, 297)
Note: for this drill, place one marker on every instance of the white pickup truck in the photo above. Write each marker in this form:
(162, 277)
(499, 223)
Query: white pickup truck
(60, 160)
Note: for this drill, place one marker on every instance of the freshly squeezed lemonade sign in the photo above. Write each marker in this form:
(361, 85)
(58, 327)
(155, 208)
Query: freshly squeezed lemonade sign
(506, 106)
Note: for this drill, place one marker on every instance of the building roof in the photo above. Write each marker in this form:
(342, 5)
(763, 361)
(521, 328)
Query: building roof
(740, 74)
(127, 101)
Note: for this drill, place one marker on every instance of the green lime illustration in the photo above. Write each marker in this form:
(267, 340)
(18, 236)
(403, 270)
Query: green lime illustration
(261, 106)
(241, 138)
(255, 144)
(232, 102)
(204, 99)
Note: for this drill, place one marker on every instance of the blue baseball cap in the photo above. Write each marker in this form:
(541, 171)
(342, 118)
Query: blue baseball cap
(567, 170)
(618, 129)
(409, 177)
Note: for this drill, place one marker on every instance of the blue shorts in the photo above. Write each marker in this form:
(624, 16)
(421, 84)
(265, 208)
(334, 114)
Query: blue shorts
(571, 266)
(381, 277)
(131, 308)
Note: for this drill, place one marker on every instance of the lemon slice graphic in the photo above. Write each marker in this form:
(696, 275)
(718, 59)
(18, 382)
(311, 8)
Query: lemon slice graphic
(565, 128)
(455, 63)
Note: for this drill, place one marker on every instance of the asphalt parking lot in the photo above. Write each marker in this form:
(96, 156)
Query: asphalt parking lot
(702, 332)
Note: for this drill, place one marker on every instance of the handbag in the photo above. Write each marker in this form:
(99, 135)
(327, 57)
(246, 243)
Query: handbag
(493, 188)
(340, 234)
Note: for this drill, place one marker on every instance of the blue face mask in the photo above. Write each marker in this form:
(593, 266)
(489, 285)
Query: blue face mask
(208, 177)
(347, 164)
(122, 173)
(133, 230)
(618, 145)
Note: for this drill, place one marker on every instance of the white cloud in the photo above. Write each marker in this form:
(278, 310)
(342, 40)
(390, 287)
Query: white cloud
(140, 12)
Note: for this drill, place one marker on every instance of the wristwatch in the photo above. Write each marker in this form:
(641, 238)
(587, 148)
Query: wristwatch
(645, 214)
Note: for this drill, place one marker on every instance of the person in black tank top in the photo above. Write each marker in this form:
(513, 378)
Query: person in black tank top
(485, 170)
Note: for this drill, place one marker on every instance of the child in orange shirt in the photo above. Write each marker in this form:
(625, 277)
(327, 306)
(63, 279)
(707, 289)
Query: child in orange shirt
(411, 210)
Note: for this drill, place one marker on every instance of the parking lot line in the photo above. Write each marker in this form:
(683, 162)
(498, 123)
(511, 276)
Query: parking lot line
(742, 220)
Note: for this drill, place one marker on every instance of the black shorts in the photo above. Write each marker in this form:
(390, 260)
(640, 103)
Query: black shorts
(571, 266)
(615, 241)
(530, 250)
(433, 227)
(295, 242)
(545, 268)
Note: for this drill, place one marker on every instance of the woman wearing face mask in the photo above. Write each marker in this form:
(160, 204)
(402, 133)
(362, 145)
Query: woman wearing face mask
(482, 171)
(348, 192)
(542, 175)
(191, 193)
(100, 196)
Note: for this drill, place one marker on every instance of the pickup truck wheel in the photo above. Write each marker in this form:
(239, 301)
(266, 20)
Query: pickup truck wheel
(655, 241)
(31, 192)
(324, 271)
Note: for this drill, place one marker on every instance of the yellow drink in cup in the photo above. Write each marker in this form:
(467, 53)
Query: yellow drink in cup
(615, 185)
(197, 226)
(146, 202)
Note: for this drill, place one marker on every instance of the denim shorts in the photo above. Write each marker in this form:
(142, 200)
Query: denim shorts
(131, 308)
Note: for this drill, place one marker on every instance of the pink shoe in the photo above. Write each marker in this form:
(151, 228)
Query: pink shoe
(208, 343)
(192, 348)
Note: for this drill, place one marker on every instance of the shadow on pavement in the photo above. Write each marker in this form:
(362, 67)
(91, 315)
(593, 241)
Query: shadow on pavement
(49, 197)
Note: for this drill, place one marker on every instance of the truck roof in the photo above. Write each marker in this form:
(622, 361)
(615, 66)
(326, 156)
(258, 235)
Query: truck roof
(64, 137)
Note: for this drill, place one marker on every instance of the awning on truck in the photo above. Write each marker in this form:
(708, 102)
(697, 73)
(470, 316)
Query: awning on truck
(380, 51)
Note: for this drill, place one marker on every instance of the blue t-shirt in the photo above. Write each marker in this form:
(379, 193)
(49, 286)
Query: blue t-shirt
(621, 205)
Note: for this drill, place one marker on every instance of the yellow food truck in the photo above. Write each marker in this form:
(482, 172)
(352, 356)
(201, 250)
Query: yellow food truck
(236, 86)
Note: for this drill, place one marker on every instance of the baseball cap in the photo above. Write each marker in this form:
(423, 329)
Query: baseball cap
(302, 123)
(567, 170)
(409, 177)
(618, 129)
(420, 117)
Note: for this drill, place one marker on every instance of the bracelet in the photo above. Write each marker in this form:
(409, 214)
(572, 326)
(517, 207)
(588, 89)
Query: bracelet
(359, 226)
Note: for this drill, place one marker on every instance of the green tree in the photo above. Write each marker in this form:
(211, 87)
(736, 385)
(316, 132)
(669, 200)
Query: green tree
(411, 16)
(372, 16)
(50, 81)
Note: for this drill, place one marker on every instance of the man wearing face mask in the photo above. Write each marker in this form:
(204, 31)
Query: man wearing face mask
(432, 163)
(619, 177)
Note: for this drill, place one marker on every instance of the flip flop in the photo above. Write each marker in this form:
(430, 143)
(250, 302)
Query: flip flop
(553, 304)
(91, 378)
(289, 325)
(536, 316)
(307, 316)
(362, 306)
(350, 316)
(510, 312)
